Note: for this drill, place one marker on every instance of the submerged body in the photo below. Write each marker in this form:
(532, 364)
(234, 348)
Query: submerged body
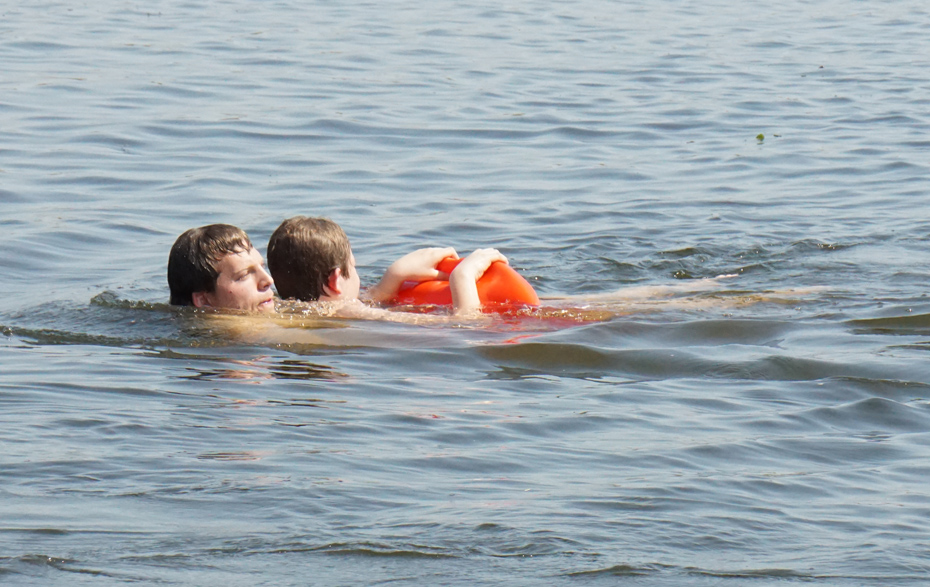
(335, 322)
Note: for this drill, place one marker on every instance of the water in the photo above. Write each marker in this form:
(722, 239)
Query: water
(771, 431)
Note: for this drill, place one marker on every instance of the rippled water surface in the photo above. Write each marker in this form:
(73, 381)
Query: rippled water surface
(771, 428)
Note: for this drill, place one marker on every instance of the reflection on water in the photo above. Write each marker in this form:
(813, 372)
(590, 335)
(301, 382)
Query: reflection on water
(295, 369)
(261, 369)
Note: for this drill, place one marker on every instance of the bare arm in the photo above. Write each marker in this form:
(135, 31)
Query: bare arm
(298, 314)
(462, 281)
(651, 292)
(419, 265)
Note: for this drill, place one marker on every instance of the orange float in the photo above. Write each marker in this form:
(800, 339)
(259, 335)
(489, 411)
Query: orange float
(501, 288)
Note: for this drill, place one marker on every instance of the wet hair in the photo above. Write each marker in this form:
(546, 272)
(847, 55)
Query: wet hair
(195, 255)
(303, 252)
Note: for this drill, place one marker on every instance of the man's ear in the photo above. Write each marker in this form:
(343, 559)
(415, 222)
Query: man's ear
(331, 287)
(199, 298)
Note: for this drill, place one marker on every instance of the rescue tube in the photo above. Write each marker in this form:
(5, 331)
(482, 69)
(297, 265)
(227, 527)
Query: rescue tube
(500, 288)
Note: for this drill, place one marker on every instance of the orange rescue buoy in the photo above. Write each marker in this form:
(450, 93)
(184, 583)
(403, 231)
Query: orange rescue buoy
(500, 288)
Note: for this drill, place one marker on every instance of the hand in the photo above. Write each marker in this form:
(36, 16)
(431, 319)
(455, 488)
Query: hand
(463, 278)
(475, 264)
(420, 265)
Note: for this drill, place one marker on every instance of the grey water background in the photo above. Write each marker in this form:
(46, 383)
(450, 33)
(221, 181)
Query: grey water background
(601, 145)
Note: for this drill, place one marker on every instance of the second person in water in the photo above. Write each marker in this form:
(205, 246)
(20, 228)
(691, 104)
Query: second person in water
(311, 260)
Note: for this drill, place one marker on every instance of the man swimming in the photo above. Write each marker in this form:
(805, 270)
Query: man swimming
(311, 260)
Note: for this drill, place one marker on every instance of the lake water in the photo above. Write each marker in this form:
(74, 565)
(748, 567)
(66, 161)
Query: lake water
(774, 430)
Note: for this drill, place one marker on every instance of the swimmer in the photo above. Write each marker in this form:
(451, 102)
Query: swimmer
(311, 261)
(216, 266)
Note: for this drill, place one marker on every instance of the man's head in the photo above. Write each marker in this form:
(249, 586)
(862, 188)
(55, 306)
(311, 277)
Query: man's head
(217, 266)
(310, 259)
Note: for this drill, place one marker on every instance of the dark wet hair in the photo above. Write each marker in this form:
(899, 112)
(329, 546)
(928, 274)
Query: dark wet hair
(194, 256)
(302, 252)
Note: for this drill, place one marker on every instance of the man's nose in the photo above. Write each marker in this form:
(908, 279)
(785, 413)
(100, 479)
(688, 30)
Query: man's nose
(266, 280)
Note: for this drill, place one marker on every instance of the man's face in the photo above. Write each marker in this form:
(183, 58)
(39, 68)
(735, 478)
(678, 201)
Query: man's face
(242, 284)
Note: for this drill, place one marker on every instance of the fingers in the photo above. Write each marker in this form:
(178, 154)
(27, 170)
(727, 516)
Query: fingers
(478, 262)
(423, 264)
(420, 265)
(489, 256)
(448, 252)
(462, 281)
(432, 255)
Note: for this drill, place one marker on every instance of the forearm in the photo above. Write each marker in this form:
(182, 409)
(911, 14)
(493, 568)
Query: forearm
(463, 280)
(464, 291)
(385, 289)
(420, 265)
